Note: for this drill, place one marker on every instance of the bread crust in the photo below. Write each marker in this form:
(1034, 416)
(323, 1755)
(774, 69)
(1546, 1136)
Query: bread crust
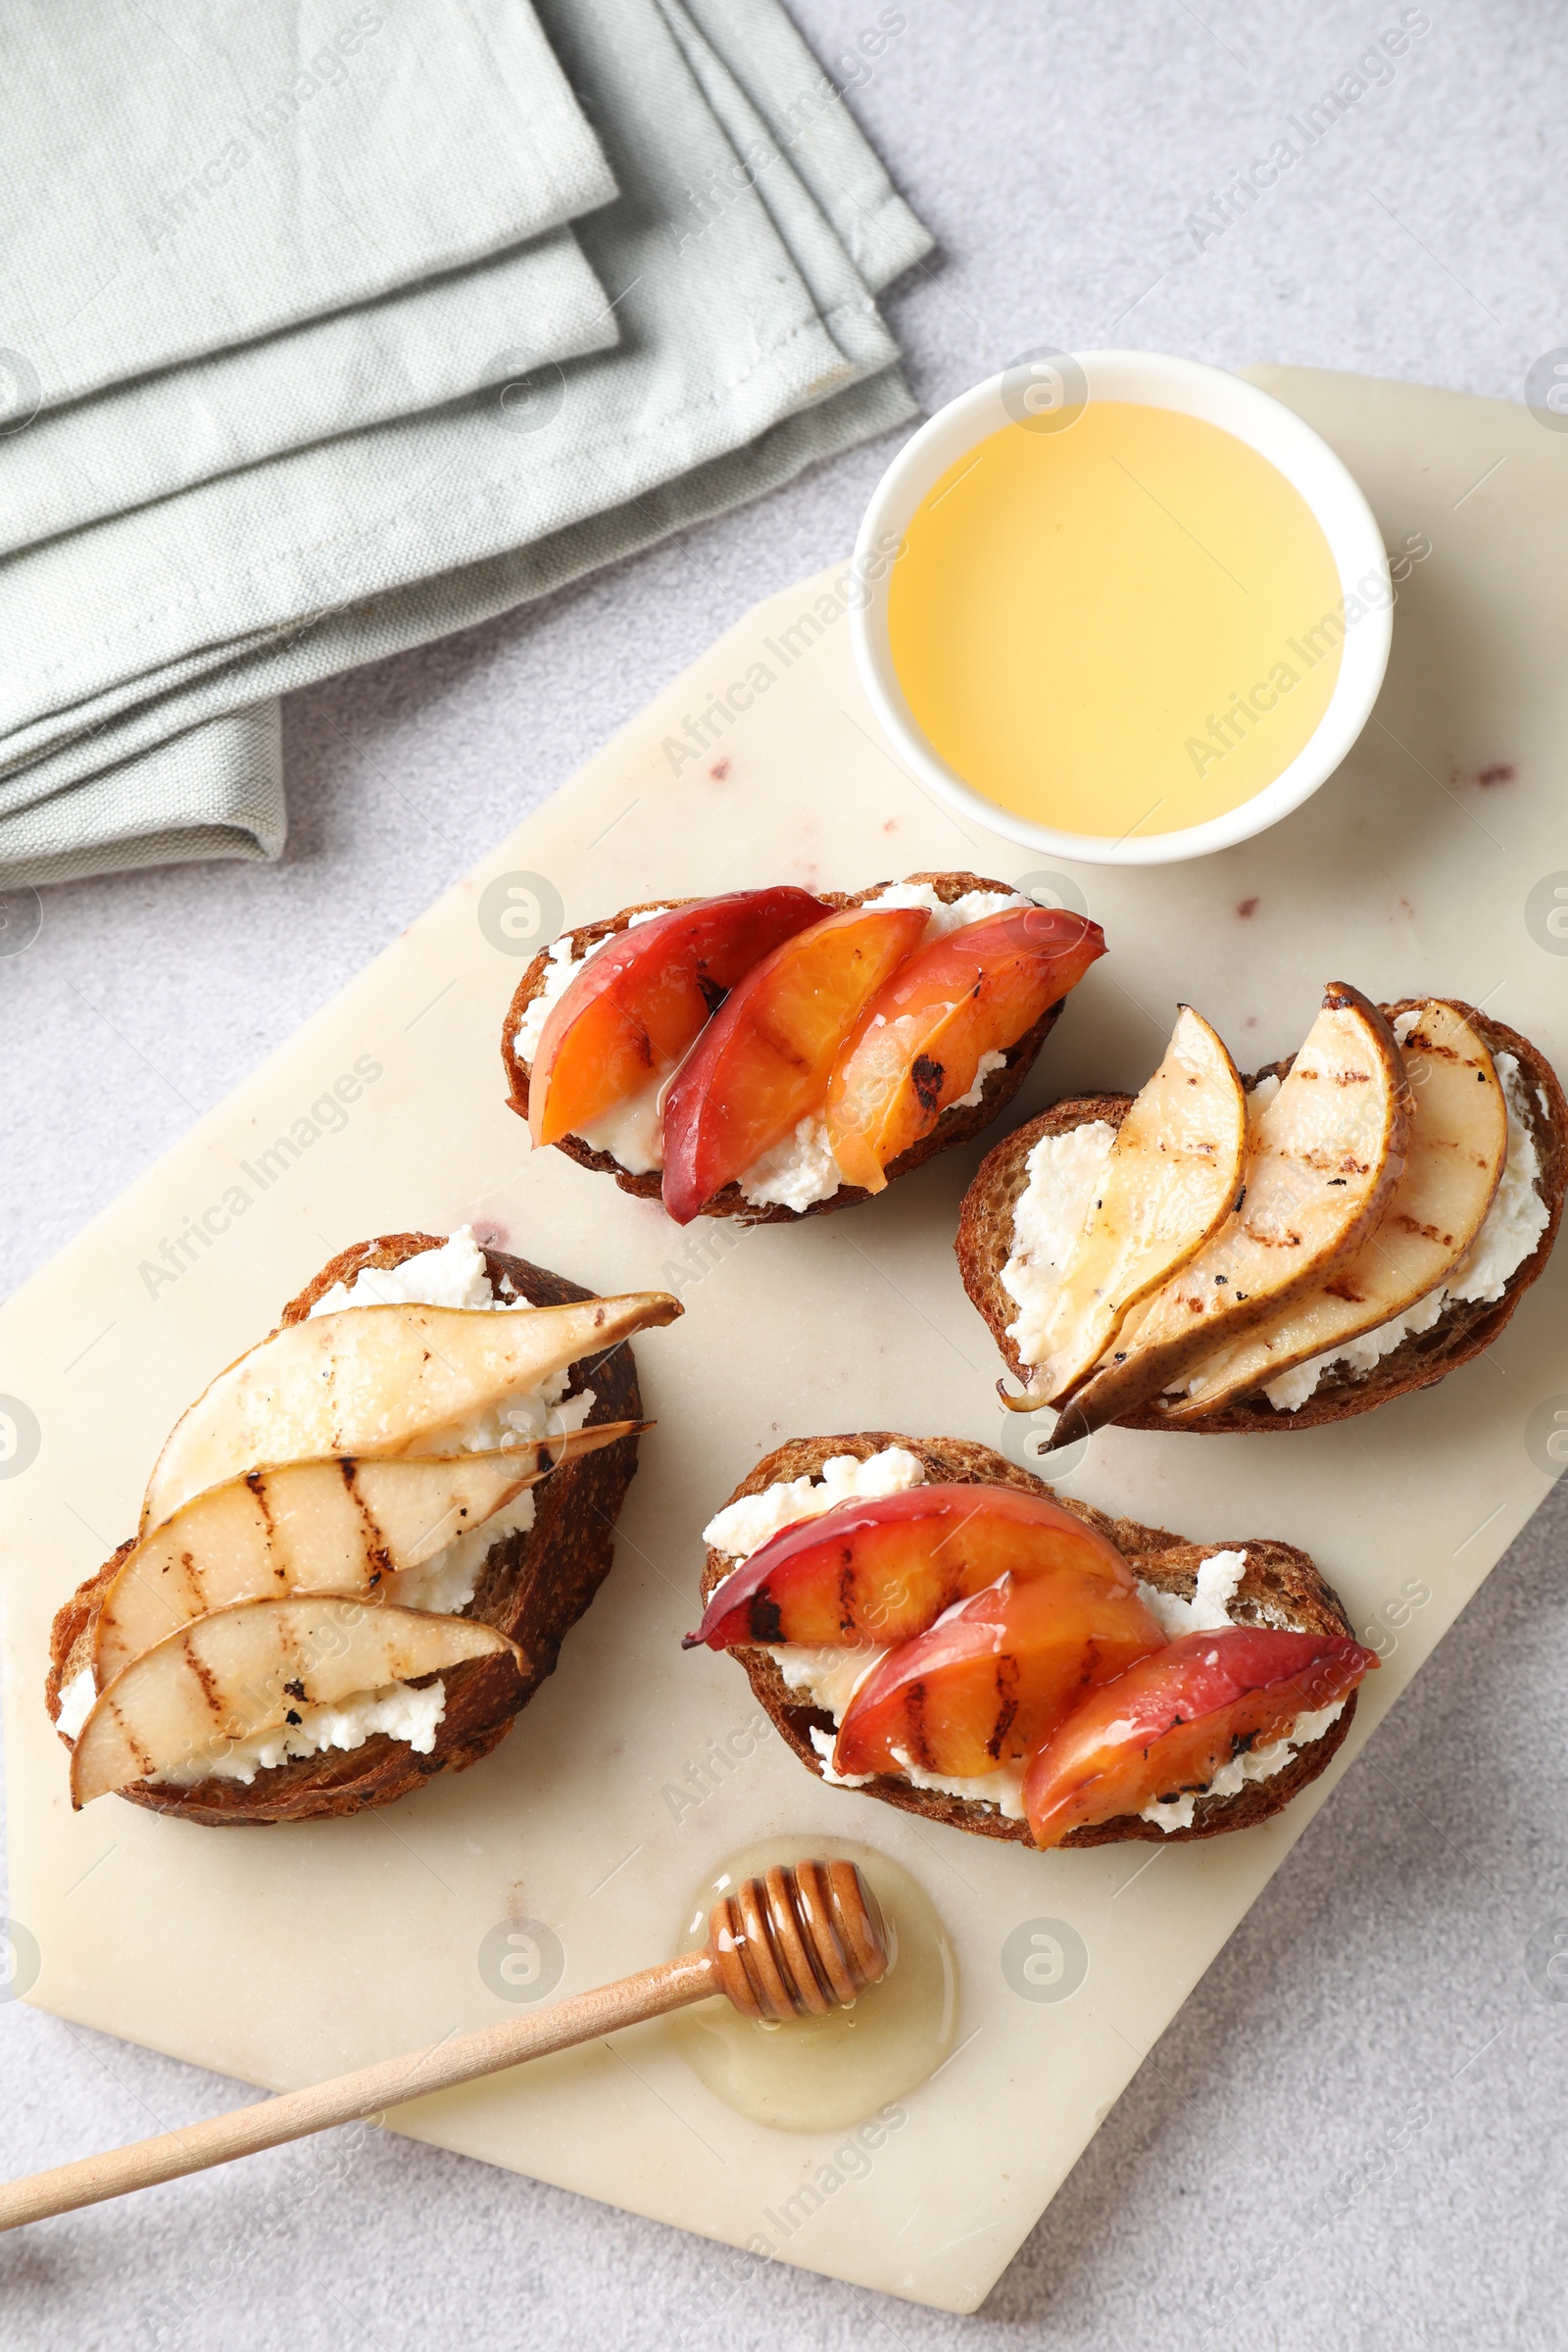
(952, 1128)
(1281, 1586)
(534, 1585)
(1465, 1329)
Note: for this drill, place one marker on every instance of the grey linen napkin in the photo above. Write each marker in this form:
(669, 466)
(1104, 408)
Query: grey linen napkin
(431, 343)
(255, 220)
(741, 257)
(185, 178)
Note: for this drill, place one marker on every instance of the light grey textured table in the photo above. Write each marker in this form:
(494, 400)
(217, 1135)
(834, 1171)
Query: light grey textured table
(1352, 2136)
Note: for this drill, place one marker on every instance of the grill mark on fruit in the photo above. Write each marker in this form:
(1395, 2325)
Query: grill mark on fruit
(377, 1549)
(1007, 1706)
(763, 1620)
(205, 1677)
(785, 1047)
(846, 1589)
(926, 1075)
(129, 1738)
(256, 1480)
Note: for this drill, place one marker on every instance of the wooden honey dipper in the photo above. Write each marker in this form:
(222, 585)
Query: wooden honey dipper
(807, 1939)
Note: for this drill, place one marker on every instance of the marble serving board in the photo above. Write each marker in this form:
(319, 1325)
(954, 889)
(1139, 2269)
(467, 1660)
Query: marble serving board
(280, 1956)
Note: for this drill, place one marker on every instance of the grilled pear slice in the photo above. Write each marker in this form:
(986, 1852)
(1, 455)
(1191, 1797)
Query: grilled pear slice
(1324, 1158)
(341, 1526)
(1168, 1185)
(378, 1381)
(254, 1668)
(1454, 1159)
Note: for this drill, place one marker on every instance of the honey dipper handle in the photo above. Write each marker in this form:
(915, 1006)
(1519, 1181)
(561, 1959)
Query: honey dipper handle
(369, 2091)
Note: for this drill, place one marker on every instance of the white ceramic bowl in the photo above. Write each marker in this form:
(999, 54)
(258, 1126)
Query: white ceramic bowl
(1266, 425)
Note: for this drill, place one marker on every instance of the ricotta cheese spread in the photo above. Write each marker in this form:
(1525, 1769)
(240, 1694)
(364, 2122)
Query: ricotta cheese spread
(798, 1171)
(974, 906)
(75, 1702)
(1061, 1172)
(1208, 1610)
(1002, 1788)
(401, 1710)
(987, 1062)
(744, 1526)
(454, 1275)
(829, 1677)
(632, 1131)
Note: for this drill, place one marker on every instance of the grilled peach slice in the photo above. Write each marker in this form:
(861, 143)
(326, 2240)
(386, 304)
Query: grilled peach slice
(639, 1001)
(882, 1570)
(1171, 1721)
(765, 1058)
(920, 1042)
(996, 1676)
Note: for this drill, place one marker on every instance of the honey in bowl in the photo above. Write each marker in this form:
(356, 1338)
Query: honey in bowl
(1128, 624)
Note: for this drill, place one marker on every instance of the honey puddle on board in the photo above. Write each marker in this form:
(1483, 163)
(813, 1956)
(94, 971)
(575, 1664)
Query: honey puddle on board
(825, 2074)
(1130, 623)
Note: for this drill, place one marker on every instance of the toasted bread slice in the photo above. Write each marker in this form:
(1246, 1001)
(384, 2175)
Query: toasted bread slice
(1280, 1587)
(1465, 1328)
(534, 1584)
(958, 1124)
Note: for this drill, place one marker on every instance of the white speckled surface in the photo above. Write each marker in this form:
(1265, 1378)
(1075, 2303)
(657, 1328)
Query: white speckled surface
(1387, 1972)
